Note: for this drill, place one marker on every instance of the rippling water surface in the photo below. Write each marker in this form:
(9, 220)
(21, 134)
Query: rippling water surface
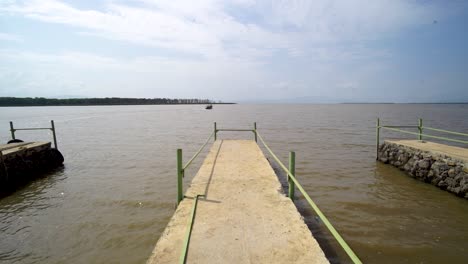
(116, 192)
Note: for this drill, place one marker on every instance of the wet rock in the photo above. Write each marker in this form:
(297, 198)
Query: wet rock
(439, 168)
(464, 186)
(456, 190)
(430, 175)
(403, 158)
(427, 156)
(450, 182)
(465, 168)
(424, 164)
(407, 167)
(422, 174)
(451, 172)
(442, 184)
(435, 181)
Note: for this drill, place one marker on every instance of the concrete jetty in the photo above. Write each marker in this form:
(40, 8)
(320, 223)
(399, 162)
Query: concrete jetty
(24, 161)
(243, 216)
(441, 165)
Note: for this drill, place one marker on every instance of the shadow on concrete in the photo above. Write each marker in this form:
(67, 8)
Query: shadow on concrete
(212, 170)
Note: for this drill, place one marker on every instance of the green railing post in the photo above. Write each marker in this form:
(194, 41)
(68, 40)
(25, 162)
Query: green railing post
(255, 131)
(215, 131)
(12, 130)
(292, 169)
(420, 129)
(53, 133)
(378, 137)
(180, 174)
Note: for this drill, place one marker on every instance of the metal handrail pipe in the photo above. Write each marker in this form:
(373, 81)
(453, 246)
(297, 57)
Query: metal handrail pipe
(228, 129)
(52, 128)
(325, 220)
(198, 152)
(34, 128)
(429, 136)
(446, 131)
(401, 126)
(188, 234)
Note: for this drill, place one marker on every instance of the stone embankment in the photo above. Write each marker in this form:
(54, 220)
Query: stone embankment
(448, 172)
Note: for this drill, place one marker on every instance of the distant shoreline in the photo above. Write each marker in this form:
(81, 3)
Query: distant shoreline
(112, 101)
(115, 101)
(111, 105)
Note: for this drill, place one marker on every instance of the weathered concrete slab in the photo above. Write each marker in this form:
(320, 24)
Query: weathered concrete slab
(244, 217)
(12, 145)
(441, 149)
(25, 147)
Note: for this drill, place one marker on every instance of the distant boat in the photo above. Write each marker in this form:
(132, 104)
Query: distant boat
(209, 107)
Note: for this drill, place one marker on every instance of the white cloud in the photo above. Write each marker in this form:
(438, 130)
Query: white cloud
(144, 76)
(235, 47)
(10, 37)
(210, 29)
(196, 28)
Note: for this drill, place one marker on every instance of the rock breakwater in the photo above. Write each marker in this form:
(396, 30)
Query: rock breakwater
(446, 172)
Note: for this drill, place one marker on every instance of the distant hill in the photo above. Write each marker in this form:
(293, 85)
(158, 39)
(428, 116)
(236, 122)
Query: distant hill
(337, 100)
(295, 100)
(41, 101)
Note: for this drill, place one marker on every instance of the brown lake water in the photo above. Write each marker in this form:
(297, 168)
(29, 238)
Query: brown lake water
(117, 190)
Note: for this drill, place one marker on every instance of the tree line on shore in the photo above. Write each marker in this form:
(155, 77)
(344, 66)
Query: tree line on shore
(41, 101)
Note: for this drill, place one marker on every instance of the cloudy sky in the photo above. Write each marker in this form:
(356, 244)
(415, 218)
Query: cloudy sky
(238, 50)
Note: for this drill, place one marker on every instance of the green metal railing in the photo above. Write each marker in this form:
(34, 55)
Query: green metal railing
(181, 169)
(420, 135)
(292, 184)
(52, 128)
(188, 233)
(181, 174)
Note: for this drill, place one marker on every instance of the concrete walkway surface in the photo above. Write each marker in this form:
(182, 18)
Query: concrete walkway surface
(244, 216)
